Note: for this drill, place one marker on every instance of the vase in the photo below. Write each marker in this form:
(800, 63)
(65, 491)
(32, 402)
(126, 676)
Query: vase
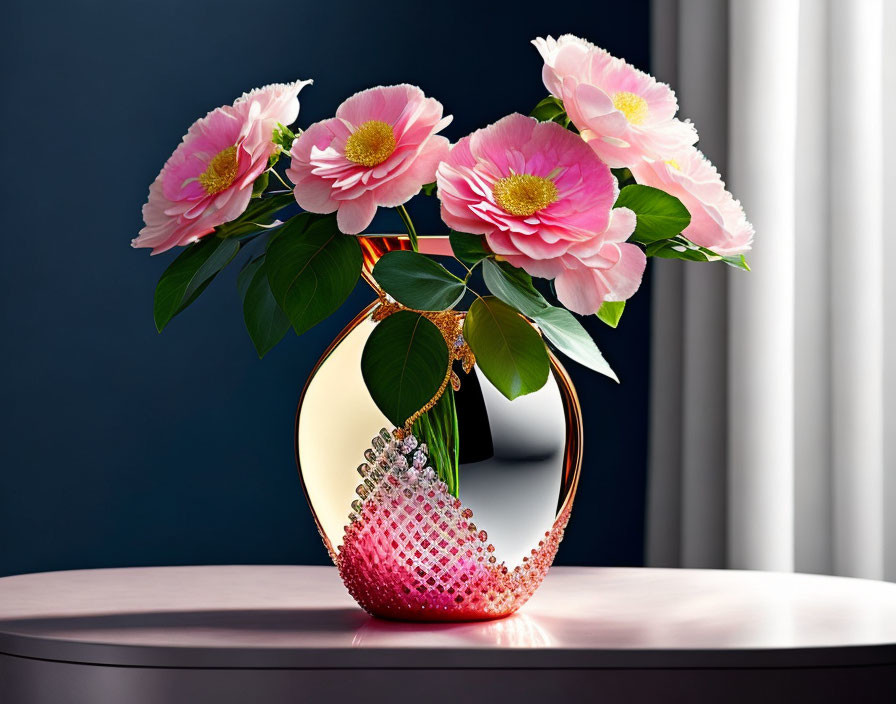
(405, 546)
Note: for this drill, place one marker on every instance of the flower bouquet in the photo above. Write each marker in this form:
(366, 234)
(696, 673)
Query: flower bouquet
(452, 369)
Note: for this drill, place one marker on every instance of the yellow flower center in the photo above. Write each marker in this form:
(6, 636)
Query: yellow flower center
(524, 194)
(634, 107)
(371, 144)
(221, 171)
(673, 164)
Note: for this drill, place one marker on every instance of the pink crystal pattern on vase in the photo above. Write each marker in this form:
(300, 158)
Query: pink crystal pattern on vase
(412, 551)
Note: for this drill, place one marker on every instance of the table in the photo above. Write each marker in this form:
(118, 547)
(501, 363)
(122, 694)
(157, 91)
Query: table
(272, 634)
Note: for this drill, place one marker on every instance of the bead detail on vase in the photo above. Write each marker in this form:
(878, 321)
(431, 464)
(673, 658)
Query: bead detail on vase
(411, 550)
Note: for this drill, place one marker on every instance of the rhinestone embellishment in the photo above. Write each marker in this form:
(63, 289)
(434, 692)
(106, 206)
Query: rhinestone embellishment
(412, 552)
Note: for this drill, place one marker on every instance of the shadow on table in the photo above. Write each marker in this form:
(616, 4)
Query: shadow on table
(273, 620)
(514, 631)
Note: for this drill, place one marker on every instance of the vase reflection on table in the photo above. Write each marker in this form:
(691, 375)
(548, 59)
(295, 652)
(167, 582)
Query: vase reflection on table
(476, 557)
(519, 631)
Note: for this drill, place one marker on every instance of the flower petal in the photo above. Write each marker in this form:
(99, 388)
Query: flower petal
(355, 215)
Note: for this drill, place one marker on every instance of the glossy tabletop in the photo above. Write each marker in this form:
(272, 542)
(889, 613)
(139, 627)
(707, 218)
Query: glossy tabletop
(302, 617)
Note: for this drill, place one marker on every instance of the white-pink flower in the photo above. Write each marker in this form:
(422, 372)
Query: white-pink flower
(208, 179)
(544, 201)
(623, 113)
(718, 221)
(379, 150)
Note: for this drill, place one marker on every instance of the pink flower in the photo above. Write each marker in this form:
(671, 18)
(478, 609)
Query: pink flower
(623, 113)
(208, 179)
(717, 219)
(604, 269)
(544, 202)
(378, 151)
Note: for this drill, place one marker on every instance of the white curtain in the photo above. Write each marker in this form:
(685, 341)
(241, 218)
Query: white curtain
(773, 393)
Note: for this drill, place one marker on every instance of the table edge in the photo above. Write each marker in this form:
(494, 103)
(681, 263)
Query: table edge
(441, 658)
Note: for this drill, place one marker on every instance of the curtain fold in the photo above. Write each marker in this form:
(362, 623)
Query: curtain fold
(855, 144)
(889, 255)
(764, 42)
(768, 389)
(688, 391)
(813, 533)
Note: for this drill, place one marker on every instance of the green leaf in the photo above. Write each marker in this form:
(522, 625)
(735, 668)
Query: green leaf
(261, 183)
(623, 176)
(561, 327)
(738, 261)
(403, 364)
(682, 248)
(551, 109)
(508, 350)
(189, 275)
(312, 270)
(660, 216)
(469, 249)
(260, 214)
(297, 225)
(283, 137)
(610, 312)
(429, 189)
(514, 287)
(417, 282)
(547, 109)
(244, 278)
(266, 323)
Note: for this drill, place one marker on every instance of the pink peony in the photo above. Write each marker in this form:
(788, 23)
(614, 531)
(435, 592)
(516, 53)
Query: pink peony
(208, 179)
(623, 113)
(717, 219)
(378, 151)
(544, 202)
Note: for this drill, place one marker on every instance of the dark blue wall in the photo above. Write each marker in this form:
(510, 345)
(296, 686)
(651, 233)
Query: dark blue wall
(119, 446)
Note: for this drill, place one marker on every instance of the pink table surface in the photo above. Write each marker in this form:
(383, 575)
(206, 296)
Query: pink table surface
(289, 616)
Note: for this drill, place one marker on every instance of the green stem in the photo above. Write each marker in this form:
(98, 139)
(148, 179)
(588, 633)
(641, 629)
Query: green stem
(280, 178)
(469, 269)
(409, 226)
(438, 429)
